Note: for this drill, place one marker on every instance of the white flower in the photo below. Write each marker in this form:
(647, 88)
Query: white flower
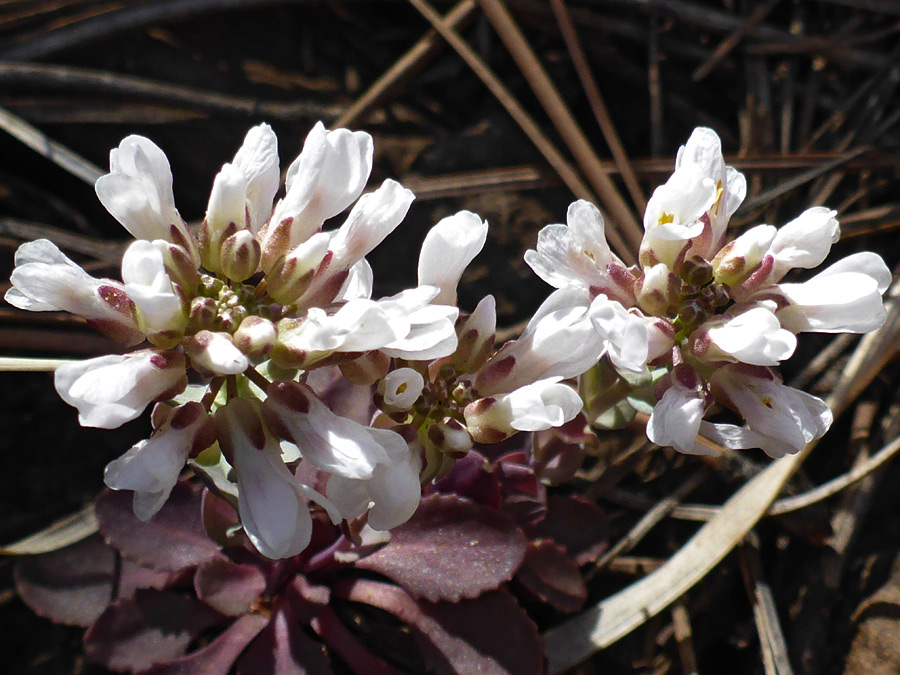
(704, 150)
(534, 407)
(151, 467)
(754, 336)
(45, 280)
(327, 176)
(431, 333)
(391, 495)
(676, 417)
(577, 256)
(401, 388)
(559, 341)
(675, 209)
(272, 509)
(844, 298)
(805, 241)
(137, 191)
(740, 258)
(447, 250)
(150, 288)
(770, 408)
(332, 443)
(625, 334)
(111, 390)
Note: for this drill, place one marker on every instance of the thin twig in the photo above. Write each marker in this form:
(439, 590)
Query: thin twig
(596, 171)
(598, 105)
(405, 67)
(771, 637)
(760, 12)
(57, 153)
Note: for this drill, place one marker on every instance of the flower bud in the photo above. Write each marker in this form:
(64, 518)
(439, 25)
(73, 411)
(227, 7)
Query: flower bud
(203, 313)
(181, 267)
(450, 437)
(656, 290)
(216, 354)
(739, 258)
(696, 271)
(255, 336)
(476, 336)
(290, 276)
(239, 256)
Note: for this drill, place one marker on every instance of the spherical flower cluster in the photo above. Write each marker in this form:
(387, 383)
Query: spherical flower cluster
(255, 300)
(701, 321)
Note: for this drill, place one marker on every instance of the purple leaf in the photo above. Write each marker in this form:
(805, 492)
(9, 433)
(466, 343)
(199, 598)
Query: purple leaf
(72, 585)
(75, 584)
(552, 576)
(218, 656)
(575, 523)
(285, 648)
(472, 477)
(451, 548)
(229, 587)
(153, 626)
(172, 540)
(346, 645)
(489, 635)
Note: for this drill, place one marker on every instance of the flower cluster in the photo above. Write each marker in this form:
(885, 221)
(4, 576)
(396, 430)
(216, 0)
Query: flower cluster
(262, 296)
(700, 321)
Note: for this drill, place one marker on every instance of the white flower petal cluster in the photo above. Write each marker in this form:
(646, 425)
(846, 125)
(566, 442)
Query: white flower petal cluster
(713, 318)
(261, 295)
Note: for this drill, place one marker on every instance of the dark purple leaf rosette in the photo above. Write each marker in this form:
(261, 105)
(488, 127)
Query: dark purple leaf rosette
(184, 593)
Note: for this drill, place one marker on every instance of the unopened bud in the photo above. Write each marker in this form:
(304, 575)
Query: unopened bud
(696, 271)
(451, 438)
(656, 290)
(181, 267)
(291, 275)
(476, 334)
(239, 256)
(255, 336)
(203, 313)
(739, 258)
(215, 354)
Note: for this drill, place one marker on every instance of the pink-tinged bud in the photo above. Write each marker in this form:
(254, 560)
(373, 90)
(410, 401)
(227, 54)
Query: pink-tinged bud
(210, 244)
(696, 271)
(275, 238)
(656, 290)
(367, 369)
(240, 255)
(477, 333)
(290, 276)
(255, 336)
(739, 259)
(203, 313)
(283, 353)
(450, 437)
(181, 267)
(486, 421)
(215, 354)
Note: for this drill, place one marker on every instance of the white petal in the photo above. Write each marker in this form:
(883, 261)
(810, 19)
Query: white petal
(805, 241)
(111, 390)
(138, 189)
(372, 218)
(258, 160)
(150, 288)
(676, 418)
(755, 337)
(448, 249)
